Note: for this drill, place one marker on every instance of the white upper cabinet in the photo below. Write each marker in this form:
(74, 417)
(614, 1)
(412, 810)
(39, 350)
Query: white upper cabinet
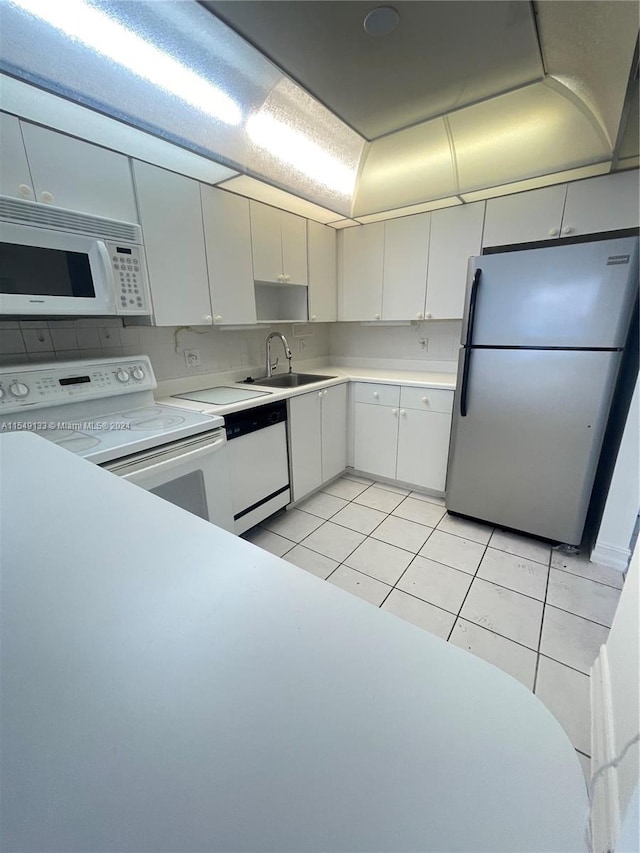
(227, 234)
(607, 203)
(361, 255)
(279, 245)
(323, 299)
(76, 175)
(406, 254)
(524, 217)
(294, 248)
(171, 218)
(15, 178)
(456, 235)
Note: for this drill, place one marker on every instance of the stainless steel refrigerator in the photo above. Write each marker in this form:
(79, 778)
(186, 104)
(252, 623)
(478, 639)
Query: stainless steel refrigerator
(542, 343)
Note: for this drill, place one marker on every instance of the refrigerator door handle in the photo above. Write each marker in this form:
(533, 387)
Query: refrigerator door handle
(468, 342)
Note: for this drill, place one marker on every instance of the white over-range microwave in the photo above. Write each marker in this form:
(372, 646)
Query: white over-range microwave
(56, 262)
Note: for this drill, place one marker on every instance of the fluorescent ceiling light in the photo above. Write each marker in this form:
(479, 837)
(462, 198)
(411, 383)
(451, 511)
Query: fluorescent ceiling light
(306, 156)
(86, 24)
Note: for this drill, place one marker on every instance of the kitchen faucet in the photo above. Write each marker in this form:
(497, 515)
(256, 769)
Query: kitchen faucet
(287, 352)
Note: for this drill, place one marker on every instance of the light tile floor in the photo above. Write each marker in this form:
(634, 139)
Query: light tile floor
(538, 614)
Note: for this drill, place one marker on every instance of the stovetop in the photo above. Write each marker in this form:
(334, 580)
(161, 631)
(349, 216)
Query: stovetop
(101, 409)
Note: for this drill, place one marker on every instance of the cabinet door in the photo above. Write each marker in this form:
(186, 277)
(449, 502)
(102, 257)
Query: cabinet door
(171, 219)
(266, 242)
(334, 431)
(305, 443)
(15, 178)
(423, 448)
(227, 235)
(294, 248)
(375, 439)
(602, 204)
(323, 285)
(361, 256)
(406, 254)
(456, 235)
(524, 217)
(70, 173)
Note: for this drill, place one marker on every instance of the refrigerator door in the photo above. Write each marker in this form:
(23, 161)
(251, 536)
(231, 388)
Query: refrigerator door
(526, 453)
(572, 295)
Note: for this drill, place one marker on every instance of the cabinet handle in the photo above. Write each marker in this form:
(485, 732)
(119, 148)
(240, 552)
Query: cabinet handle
(319, 393)
(425, 399)
(287, 278)
(218, 318)
(567, 230)
(324, 393)
(394, 411)
(25, 191)
(376, 395)
(403, 412)
(427, 316)
(314, 317)
(553, 232)
(46, 197)
(376, 316)
(418, 316)
(207, 318)
(280, 277)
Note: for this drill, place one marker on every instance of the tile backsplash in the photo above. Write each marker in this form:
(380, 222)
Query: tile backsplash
(220, 350)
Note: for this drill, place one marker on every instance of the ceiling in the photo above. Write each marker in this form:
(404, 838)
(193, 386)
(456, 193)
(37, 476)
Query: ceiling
(441, 56)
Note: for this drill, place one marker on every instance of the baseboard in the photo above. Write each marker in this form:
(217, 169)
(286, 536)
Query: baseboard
(605, 809)
(611, 556)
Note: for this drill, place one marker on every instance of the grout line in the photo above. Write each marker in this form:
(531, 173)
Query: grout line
(584, 578)
(466, 595)
(544, 610)
(567, 665)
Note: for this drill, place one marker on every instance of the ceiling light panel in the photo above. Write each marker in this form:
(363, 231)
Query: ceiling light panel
(258, 190)
(177, 71)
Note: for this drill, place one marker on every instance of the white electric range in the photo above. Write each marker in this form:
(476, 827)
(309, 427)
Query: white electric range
(104, 410)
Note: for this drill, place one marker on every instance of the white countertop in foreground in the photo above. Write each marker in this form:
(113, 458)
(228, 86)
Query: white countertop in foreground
(169, 687)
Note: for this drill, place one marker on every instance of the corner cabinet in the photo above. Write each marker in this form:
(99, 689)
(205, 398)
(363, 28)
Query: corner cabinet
(317, 438)
(171, 219)
(227, 235)
(402, 433)
(279, 245)
(323, 285)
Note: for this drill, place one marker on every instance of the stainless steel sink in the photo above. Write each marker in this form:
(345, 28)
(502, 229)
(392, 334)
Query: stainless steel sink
(287, 380)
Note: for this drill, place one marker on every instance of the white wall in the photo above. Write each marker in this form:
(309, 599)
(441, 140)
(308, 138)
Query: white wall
(39, 340)
(398, 346)
(623, 501)
(616, 675)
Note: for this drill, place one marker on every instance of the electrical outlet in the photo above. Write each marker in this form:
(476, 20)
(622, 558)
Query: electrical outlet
(192, 357)
(424, 344)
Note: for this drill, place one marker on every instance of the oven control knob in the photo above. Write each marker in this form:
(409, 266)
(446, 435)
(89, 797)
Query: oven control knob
(122, 376)
(19, 389)
(137, 373)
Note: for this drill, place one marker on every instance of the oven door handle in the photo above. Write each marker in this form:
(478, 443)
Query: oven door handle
(166, 458)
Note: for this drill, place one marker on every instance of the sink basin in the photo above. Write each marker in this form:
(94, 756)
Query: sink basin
(288, 380)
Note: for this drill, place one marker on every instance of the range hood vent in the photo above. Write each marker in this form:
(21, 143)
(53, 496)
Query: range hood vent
(57, 218)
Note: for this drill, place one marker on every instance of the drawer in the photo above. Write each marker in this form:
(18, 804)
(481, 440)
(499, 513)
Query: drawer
(427, 399)
(384, 395)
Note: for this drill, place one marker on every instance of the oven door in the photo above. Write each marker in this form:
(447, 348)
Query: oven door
(192, 474)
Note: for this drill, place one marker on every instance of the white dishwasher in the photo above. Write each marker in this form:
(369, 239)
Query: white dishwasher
(259, 463)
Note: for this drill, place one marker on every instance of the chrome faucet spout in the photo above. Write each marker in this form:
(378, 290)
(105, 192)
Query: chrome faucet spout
(288, 355)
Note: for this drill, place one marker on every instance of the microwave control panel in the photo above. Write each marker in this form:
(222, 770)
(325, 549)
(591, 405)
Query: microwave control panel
(31, 386)
(128, 266)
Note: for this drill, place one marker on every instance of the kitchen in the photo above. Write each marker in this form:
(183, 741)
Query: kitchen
(371, 288)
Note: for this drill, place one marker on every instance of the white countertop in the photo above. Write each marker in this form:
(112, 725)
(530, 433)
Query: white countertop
(340, 374)
(169, 687)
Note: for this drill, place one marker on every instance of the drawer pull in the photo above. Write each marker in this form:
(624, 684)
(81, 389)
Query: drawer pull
(425, 399)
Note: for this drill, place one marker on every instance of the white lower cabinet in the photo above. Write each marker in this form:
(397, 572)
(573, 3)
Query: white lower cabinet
(403, 433)
(317, 438)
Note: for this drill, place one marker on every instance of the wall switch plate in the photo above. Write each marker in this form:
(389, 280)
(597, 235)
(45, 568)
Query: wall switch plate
(192, 357)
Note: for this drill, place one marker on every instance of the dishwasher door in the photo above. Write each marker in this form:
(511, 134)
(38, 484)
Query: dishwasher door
(259, 465)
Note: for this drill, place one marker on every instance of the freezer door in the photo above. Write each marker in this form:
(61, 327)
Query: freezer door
(526, 453)
(577, 295)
